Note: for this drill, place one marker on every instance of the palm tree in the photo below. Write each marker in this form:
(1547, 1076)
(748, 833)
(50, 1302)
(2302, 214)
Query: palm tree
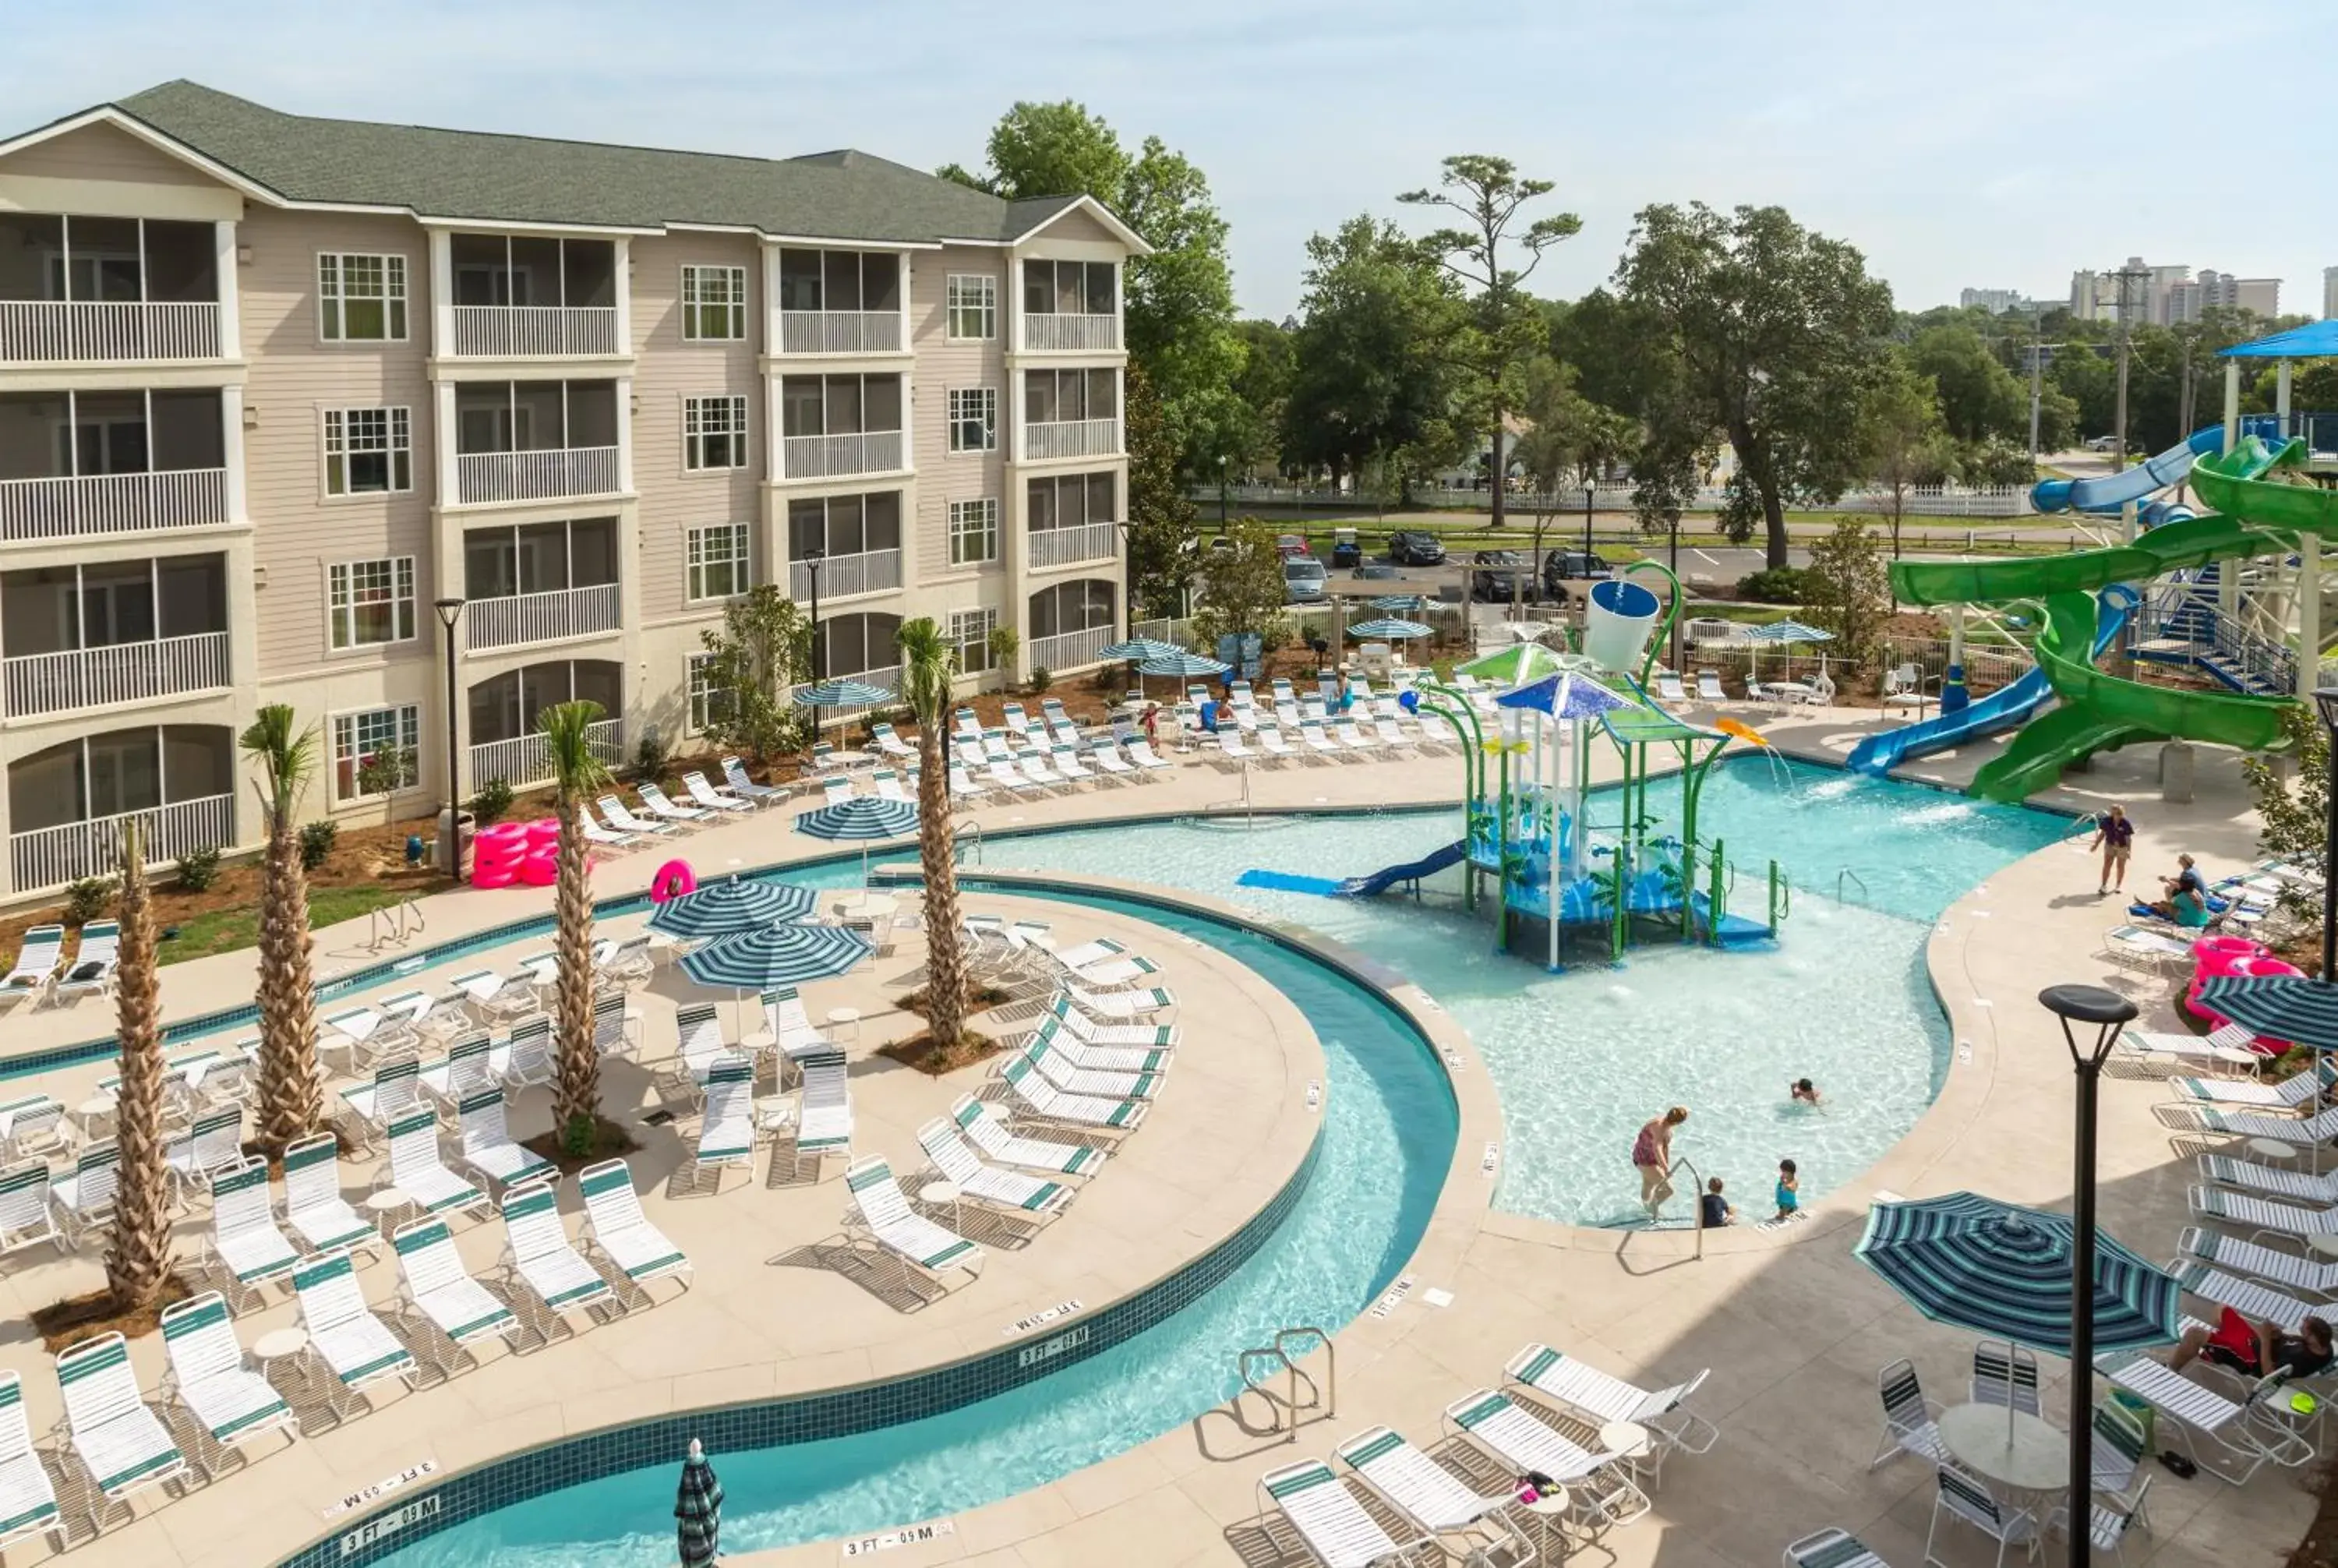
(576, 771)
(928, 663)
(291, 1092)
(138, 1257)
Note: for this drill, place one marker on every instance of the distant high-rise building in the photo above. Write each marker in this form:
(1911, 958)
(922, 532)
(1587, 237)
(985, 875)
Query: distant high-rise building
(2330, 293)
(2214, 288)
(1996, 301)
(2168, 296)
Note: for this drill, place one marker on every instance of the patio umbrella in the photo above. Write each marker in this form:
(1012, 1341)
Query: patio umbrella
(731, 905)
(1137, 649)
(776, 956)
(1513, 666)
(864, 820)
(697, 1509)
(2294, 1007)
(1564, 696)
(1394, 631)
(1782, 631)
(1399, 603)
(842, 694)
(1181, 664)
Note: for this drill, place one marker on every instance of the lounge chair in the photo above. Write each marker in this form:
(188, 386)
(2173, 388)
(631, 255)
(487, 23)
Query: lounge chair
(1049, 1104)
(2257, 1303)
(1598, 1482)
(932, 1250)
(1708, 688)
(28, 1497)
(435, 1288)
(1106, 974)
(1037, 774)
(659, 805)
(1230, 745)
(792, 1032)
(490, 1151)
(1066, 762)
(230, 1403)
(25, 1217)
(726, 1135)
(824, 1111)
(537, 1255)
(1391, 736)
(1104, 756)
(962, 786)
(35, 966)
(313, 1205)
(2303, 1131)
(93, 964)
(1435, 1500)
(698, 1048)
(702, 794)
(1318, 740)
(1332, 1525)
(120, 1443)
(2272, 1181)
(83, 1196)
(1910, 1421)
(1149, 1037)
(1008, 1189)
(616, 1027)
(1830, 1548)
(1668, 689)
(1015, 723)
(1602, 1398)
(2263, 1218)
(1003, 776)
(1355, 740)
(615, 1227)
(469, 1066)
(1042, 1052)
(1120, 1005)
(2227, 1048)
(244, 1242)
(734, 776)
(1968, 1498)
(964, 723)
(2295, 1092)
(1271, 743)
(595, 833)
(1063, 1045)
(2248, 1433)
(2149, 949)
(356, 1347)
(2312, 1276)
(528, 1056)
(33, 1124)
(214, 1142)
(415, 1170)
(614, 812)
(396, 1089)
(988, 1133)
(1141, 753)
(889, 742)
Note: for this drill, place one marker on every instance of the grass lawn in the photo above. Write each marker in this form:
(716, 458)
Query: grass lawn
(226, 930)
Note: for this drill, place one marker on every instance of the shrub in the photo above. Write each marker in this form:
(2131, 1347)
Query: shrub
(1772, 585)
(652, 752)
(577, 1137)
(88, 900)
(493, 803)
(1041, 678)
(317, 841)
(197, 869)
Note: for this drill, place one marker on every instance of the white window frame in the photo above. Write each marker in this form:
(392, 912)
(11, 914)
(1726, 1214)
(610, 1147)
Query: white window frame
(964, 636)
(975, 519)
(695, 430)
(397, 444)
(973, 410)
(698, 697)
(700, 559)
(405, 719)
(693, 282)
(341, 603)
(332, 295)
(975, 294)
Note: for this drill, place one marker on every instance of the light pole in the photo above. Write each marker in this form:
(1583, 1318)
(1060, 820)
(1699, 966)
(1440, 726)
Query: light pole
(1222, 493)
(2326, 701)
(2106, 1011)
(813, 561)
(450, 611)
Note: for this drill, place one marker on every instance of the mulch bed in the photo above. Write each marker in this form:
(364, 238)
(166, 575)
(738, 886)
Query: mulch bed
(920, 1052)
(978, 998)
(610, 1140)
(64, 1324)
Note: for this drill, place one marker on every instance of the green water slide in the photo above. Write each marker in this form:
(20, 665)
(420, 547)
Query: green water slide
(2263, 504)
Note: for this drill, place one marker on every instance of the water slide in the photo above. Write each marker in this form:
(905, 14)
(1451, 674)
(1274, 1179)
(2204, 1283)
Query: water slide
(1379, 882)
(2114, 491)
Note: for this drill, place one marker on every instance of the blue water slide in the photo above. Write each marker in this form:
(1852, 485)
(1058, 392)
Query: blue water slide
(1411, 871)
(2006, 708)
(2114, 491)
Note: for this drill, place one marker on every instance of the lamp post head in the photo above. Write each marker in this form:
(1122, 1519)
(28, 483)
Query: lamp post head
(450, 612)
(2325, 703)
(2107, 1011)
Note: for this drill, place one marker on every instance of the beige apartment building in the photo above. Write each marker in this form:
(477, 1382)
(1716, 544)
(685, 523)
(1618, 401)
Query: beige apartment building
(275, 392)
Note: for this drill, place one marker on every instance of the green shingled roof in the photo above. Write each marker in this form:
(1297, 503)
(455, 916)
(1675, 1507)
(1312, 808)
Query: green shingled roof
(843, 195)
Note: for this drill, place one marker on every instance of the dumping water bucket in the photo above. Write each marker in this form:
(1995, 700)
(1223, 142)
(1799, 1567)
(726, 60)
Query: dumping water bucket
(1618, 621)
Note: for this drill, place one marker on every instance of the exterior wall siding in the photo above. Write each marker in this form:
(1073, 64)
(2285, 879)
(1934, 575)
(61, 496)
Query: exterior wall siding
(104, 152)
(944, 365)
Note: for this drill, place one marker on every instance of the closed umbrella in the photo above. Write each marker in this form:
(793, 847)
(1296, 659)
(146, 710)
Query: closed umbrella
(776, 956)
(864, 820)
(697, 1509)
(731, 905)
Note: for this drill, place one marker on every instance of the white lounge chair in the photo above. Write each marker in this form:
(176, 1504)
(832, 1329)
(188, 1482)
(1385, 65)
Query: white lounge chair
(1141, 753)
(2141, 945)
(230, 1403)
(1049, 1104)
(28, 1497)
(1120, 1005)
(735, 776)
(1037, 774)
(595, 833)
(1708, 688)
(1668, 689)
(1318, 740)
(313, 1205)
(920, 1244)
(83, 1196)
(888, 742)
(356, 1347)
(2303, 1131)
(396, 1089)
(2261, 1217)
(2297, 1091)
(1355, 740)
(33, 1124)
(1054, 1041)
(887, 785)
(1232, 747)
(616, 1027)
(726, 1136)
(490, 1151)
(962, 786)
(1596, 1481)
(2248, 1433)
(415, 1170)
(537, 1255)
(615, 1227)
(1003, 776)
(988, 1133)
(527, 1055)
(244, 1242)
(1066, 762)
(1602, 1398)
(834, 790)
(435, 1287)
(702, 795)
(1008, 1189)
(467, 1067)
(1435, 1500)
(659, 805)
(92, 966)
(26, 1217)
(1334, 1527)
(2312, 1276)
(824, 1108)
(1104, 755)
(35, 966)
(2273, 1180)
(699, 1049)
(1042, 1050)
(2227, 1048)
(214, 1142)
(614, 812)
(1151, 1038)
(2256, 1302)
(120, 1443)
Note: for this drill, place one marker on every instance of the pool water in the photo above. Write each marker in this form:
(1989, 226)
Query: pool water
(1388, 1139)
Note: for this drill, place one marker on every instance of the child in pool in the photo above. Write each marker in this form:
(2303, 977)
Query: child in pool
(1789, 1200)
(1804, 1092)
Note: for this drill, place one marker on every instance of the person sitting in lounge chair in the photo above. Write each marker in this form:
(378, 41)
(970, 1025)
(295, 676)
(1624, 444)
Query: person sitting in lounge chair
(2255, 1349)
(2186, 903)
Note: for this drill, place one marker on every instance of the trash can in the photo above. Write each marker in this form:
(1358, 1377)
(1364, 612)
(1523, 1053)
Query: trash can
(2175, 773)
(455, 830)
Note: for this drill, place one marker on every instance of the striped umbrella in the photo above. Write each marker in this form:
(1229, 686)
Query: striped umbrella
(2004, 1270)
(776, 956)
(732, 905)
(842, 694)
(1179, 663)
(1137, 649)
(2294, 1007)
(864, 819)
(1390, 629)
(1399, 603)
(697, 1509)
(1784, 631)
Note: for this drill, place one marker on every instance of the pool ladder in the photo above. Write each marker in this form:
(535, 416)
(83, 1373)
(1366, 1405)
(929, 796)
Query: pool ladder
(1855, 880)
(961, 838)
(1260, 1364)
(393, 925)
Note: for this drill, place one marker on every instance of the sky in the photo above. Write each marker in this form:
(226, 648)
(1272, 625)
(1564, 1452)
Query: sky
(1981, 143)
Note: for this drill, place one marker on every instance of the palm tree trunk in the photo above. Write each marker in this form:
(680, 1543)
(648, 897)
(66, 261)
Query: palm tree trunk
(577, 1093)
(291, 1092)
(138, 1257)
(945, 952)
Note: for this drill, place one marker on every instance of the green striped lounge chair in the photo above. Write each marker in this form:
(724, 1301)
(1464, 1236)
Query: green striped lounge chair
(920, 1244)
(537, 1255)
(2272, 1181)
(244, 1242)
(987, 1131)
(1598, 1482)
(1008, 1189)
(35, 1125)
(2313, 1277)
(215, 1143)
(467, 1067)
(396, 1090)
(1601, 1397)
(1090, 1031)
(435, 1287)
(25, 1217)
(1103, 950)
(83, 1196)
(1435, 1499)
(355, 1345)
(726, 1134)
(1830, 1548)
(615, 1227)
(2225, 1050)
(1065, 1040)
(1045, 1051)
(415, 1168)
(490, 1151)
(2296, 1090)
(528, 1056)
(1112, 973)
(824, 1116)
(120, 1442)
(1120, 1005)
(28, 1497)
(2319, 1128)
(2247, 1434)
(1337, 1532)
(2261, 1217)
(313, 1205)
(231, 1404)
(1049, 1104)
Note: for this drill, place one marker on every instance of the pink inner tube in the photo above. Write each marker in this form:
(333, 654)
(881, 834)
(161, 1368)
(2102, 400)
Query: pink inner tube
(543, 830)
(674, 879)
(2226, 949)
(491, 876)
(2268, 964)
(540, 871)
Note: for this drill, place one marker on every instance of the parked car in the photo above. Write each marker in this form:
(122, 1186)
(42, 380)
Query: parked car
(2102, 444)
(1412, 547)
(1561, 565)
(1289, 544)
(1498, 575)
(1303, 578)
(1346, 550)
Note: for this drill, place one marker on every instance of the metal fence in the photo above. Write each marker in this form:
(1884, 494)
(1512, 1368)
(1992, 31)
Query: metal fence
(1925, 501)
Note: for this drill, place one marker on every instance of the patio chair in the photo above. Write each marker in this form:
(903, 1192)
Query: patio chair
(962, 786)
(1434, 1500)
(313, 1205)
(1037, 774)
(1910, 1421)
(1154, 1039)
(1119, 1004)
(244, 1242)
(537, 1255)
(467, 1067)
(735, 777)
(702, 794)
(1141, 753)
(2121, 1446)
(616, 1027)
(988, 1133)
(1669, 691)
(2247, 1434)
(528, 1056)
(630, 962)
(92, 966)
(120, 1443)
(83, 1196)
(614, 812)
(824, 1112)
(1058, 1044)
(1601, 1397)
(1599, 1482)
(615, 1227)
(356, 1347)
(595, 833)
(1015, 723)
(490, 1151)
(1003, 776)
(35, 966)
(917, 1243)
(964, 722)
(2261, 1217)
(1065, 760)
(2275, 1181)
(1969, 1499)
(792, 1032)
(435, 1289)
(415, 1170)
(231, 1404)
(2142, 947)
(2225, 1049)
(1708, 688)
(28, 1497)
(396, 1090)
(1008, 1189)
(835, 790)
(882, 735)
(33, 1124)
(1331, 1523)
(1042, 1052)
(699, 1049)
(214, 1142)
(2298, 1091)
(654, 800)
(726, 1135)
(25, 1216)
(2005, 1373)
(1231, 745)
(2108, 1523)
(1830, 1548)
(1043, 1099)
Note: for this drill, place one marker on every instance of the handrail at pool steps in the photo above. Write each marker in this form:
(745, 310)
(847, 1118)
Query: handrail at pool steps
(960, 837)
(1276, 1353)
(1856, 880)
(1696, 1194)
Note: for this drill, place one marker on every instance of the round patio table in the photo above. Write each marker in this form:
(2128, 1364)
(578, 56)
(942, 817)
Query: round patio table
(2014, 1448)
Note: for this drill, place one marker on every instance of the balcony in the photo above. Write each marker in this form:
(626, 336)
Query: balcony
(542, 617)
(1071, 438)
(46, 331)
(839, 331)
(52, 857)
(511, 331)
(840, 457)
(1071, 649)
(1072, 546)
(523, 760)
(1057, 333)
(118, 672)
(100, 503)
(553, 473)
(841, 576)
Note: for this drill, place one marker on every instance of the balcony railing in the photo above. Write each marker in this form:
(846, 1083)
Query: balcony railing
(889, 678)
(48, 330)
(544, 475)
(117, 672)
(1071, 649)
(1072, 438)
(542, 617)
(841, 576)
(52, 857)
(840, 457)
(839, 331)
(96, 504)
(1060, 333)
(517, 330)
(1069, 547)
(525, 760)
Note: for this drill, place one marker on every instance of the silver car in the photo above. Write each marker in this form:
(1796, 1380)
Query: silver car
(1302, 580)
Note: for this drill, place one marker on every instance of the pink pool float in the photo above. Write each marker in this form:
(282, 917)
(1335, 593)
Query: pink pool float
(2215, 958)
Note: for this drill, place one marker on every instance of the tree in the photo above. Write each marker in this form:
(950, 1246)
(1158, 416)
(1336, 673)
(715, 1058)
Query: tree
(1270, 361)
(1978, 398)
(1240, 581)
(1759, 333)
(1164, 530)
(1847, 591)
(761, 651)
(927, 665)
(385, 773)
(2294, 811)
(1906, 439)
(1487, 191)
(291, 1092)
(138, 1253)
(576, 772)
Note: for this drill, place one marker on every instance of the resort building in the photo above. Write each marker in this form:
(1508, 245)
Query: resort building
(272, 387)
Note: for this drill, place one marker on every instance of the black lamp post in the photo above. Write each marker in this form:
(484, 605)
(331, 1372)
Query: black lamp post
(2326, 701)
(813, 561)
(450, 611)
(1223, 495)
(2106, 1012)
